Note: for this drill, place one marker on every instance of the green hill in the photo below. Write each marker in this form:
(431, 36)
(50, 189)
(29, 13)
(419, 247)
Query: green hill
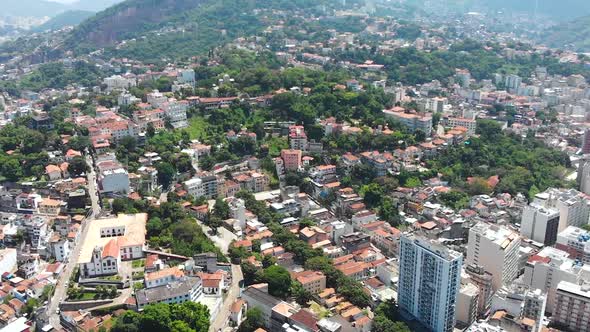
(71, 17)
(573, 35)
(156, 29)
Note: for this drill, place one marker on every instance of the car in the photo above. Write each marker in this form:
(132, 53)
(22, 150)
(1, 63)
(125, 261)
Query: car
(57, 311)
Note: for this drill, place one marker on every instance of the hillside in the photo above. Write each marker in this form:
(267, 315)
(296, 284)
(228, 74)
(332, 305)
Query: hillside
(156, 29)
(70, 17)
(573, 35)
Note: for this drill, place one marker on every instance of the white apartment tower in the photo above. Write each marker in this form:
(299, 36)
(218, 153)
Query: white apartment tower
(429, 281)
(572, 205)
(540, 224)
(496, 249)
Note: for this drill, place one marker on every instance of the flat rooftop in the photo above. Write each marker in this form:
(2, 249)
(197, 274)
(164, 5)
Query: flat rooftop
(134, 233)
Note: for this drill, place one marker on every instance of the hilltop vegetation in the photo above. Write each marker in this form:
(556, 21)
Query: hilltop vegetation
(151, 27)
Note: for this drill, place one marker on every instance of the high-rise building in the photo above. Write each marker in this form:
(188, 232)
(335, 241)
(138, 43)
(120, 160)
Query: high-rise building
(482, 279)
(572, 205)
(572, 306)
(495, 248)
(429, 280)
(540, 224)
(586, 141)
(584, 176)
(548, 268)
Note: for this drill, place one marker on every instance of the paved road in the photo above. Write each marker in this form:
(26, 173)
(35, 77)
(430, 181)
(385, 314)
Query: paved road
(60, 290)
(222, 318)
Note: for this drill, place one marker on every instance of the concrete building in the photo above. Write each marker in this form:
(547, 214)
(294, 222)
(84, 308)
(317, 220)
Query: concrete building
(572, 205)
(452, 122)
(257, 296)
(291, 159)
(548, 268)
(429, 281)
(8, 260)
(163, 277)
(576, 242)
(467, 302)
(483, 281)
(584, 176)
(572, 306)
(540, 224)
(520, 301)
(297, 138)
(184, 290)
(586, 142)
(413, 122)
(312, 281)
(496, 249)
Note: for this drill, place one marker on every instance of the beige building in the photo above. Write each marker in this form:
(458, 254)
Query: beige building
(312, 281)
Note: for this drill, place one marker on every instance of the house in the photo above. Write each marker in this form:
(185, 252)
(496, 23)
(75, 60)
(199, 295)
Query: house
(163, 277)
(213, 283)
(237, 312)
(53, 172)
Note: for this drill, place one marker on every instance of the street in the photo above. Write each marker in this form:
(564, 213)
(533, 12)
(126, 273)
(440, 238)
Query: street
(61, 289)
(222, 318)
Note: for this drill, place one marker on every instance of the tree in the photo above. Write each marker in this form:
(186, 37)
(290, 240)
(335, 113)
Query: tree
(166, 173)
(221, 209)
(253, 321)
(155, 318)
(78, 166)
(372, 194)
(195, 315)
(150, 131)
(128, 322)
(279, 281)
(478, 186)
(301, 295)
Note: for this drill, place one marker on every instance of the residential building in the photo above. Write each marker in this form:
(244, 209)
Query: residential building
(297, 138)
(467, 302)
(163, 277)
(575, 241)
(521, 302)
(312, 281)
(257, 296)
(483, 281)
(452, 122)
(540, 224)
(291, 159)
(412, 121)
(180, 291)
(548, 268)
(7, 260)
(584, 175)
(572, 306)
(496, 249)
(573, 206)
(429, 281)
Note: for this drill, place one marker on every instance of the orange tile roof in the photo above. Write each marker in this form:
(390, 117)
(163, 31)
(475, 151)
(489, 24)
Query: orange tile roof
(111, 249)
